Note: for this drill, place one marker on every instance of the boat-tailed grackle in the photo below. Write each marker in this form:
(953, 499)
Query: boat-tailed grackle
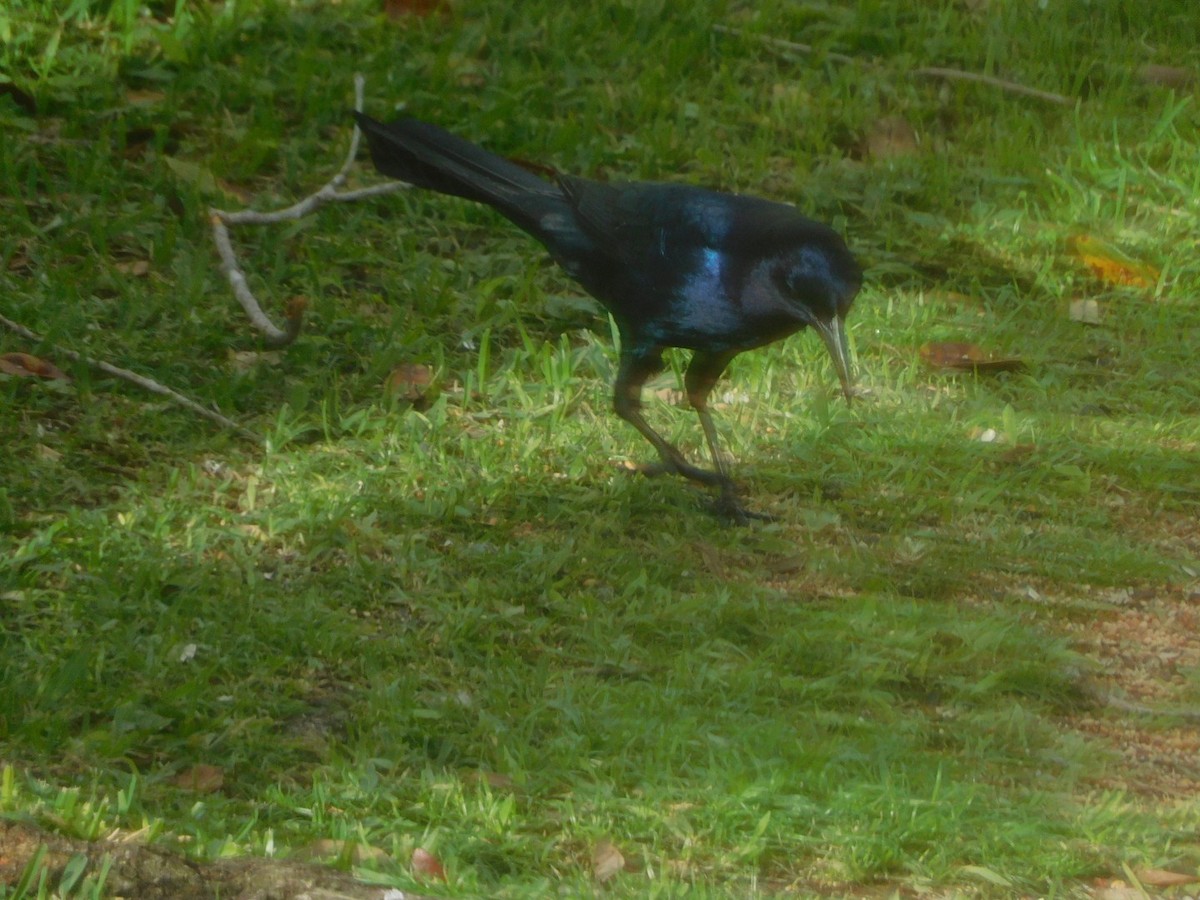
(677, 266)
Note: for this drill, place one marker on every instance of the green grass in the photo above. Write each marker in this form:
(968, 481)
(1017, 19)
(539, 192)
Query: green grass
(465, 628)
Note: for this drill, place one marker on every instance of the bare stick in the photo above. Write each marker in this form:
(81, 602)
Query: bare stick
(1011, 86)
(792, 47)
(220, 219)
(141, 381)
(1191, 716)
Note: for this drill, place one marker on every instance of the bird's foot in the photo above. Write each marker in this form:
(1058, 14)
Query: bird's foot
(727, 506)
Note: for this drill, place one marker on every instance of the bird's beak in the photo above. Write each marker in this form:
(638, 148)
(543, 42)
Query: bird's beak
(833, 333)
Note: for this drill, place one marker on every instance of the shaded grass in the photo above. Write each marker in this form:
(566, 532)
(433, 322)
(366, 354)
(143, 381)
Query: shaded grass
(464, 628)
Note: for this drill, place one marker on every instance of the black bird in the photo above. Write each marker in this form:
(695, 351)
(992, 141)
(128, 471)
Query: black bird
(677, 266)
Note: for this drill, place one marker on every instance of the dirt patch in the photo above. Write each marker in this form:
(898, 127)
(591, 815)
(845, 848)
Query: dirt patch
(138, 870)
(1147, 646)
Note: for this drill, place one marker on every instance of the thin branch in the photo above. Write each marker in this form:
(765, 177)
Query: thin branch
(1191, 716)
(792, 47)
(1012, 87)
(141, 381)
(220, 219)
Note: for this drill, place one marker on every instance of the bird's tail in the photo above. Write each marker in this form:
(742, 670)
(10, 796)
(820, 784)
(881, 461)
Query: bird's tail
(430, 157)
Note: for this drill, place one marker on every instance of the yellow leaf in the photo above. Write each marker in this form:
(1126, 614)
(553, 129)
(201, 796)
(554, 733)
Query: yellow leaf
(1110, 264)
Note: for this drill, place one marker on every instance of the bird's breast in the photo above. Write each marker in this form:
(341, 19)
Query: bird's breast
(713, 307)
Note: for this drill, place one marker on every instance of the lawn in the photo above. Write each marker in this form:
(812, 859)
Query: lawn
(444, 637)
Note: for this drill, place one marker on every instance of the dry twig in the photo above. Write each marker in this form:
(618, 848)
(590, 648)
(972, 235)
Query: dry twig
(221, 219)
(141, 381)
(792, 47)
(1012, 87)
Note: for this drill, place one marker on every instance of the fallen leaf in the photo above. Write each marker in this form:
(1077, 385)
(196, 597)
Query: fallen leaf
(1166, 76)
(408, 381)
(25, 365)
(426, 866)
(1109, 264)
(411, 382)
(607, 860)
(890, 137)
(966, 358)
(1162, 878)
(1085, 311)
(200, 779)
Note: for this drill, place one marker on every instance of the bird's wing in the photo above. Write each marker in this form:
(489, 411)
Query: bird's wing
(638, 222)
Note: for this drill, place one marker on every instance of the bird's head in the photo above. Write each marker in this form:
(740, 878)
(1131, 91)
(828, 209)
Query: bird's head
(819, 281)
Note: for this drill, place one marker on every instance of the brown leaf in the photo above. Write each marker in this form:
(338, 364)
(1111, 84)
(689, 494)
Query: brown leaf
(426, 866)
(409, 381)
(25, 365)
(889, 138)
(966, 358)
(607, 860)
(200, 779)
(1162, 878)
(1166, 76)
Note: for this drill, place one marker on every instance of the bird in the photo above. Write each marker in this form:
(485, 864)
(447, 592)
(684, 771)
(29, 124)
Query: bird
(676, 265)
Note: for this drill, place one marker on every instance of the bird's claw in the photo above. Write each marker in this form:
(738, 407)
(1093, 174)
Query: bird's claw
(729, 507)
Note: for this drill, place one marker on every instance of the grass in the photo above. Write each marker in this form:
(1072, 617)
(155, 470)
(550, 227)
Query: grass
(464, 628)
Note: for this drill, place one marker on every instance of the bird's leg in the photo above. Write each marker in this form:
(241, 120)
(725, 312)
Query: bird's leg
(627, 401)
(701, 377)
